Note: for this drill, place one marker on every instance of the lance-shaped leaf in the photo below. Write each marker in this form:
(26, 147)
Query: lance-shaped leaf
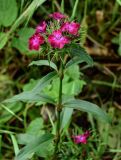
(74, 9)
(77, 51)
(65, 117)
(34, 95)
(73, 61)
(87, 107)
(15, 144)
(44, 81)
(45, 63)
(3, 39)
(30, 97)
(34, 145)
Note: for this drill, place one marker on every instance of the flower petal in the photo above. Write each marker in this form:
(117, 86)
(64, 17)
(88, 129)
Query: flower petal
(35, 41)
(57, 16)
(41, 28)
(57, 40)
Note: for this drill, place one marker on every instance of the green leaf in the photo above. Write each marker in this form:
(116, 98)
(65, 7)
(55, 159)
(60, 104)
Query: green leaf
(115, 150)
(3, 39)
(30, 85)
(25, 138)
(44, 62)
(87, 107)
(73, 72)
(29, 97)
(62, 6)
(44, 81)
(74, 9)
(73, 61)
(46, 151)
(35, 126)
(65, 117)
(15, 144)
(33, 147)
(34, 129)
(119, 2)
(73, 87)
(21, 42)
(8, 12)
(8, 111)
(77, 51)
(34, 95)
(115, 40)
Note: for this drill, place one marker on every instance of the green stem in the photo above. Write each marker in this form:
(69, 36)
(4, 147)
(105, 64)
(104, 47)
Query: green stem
(59, 109)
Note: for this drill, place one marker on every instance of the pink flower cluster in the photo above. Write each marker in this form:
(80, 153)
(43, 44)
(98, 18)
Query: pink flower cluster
(81, 138)
(57, 38)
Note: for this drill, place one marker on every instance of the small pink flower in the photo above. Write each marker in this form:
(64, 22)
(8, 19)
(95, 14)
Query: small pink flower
(35, 41)
(81, 138)
(57, 40)
(70, 27)
(57, 16)
(41, 28)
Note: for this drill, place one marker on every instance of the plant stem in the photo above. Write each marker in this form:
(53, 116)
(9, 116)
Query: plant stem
(59, 109)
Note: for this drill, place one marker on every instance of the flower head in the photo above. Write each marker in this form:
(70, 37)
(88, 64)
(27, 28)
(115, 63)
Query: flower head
(70, 27)
(57, 16)
(35, 41)
(81, 138)
(41, 28)
(57, 40)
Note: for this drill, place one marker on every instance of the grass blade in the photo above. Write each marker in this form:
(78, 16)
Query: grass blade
(11, 112)
(74, 9)
(15, 144)
(62, 6)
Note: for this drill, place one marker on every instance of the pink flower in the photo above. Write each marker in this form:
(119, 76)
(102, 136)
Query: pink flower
(70, 27)
(41, 28)
(57, 40)
(35, 41)
(57, 16)
(81, 138)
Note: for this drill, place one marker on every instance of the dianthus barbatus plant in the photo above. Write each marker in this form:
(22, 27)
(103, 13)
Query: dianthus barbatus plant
(60, 41)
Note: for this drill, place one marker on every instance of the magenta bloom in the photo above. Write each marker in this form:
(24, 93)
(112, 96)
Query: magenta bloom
(70, 27)
(81, 138)
(35, 41)
(57, 40)
(41, 28)
(57, 16)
